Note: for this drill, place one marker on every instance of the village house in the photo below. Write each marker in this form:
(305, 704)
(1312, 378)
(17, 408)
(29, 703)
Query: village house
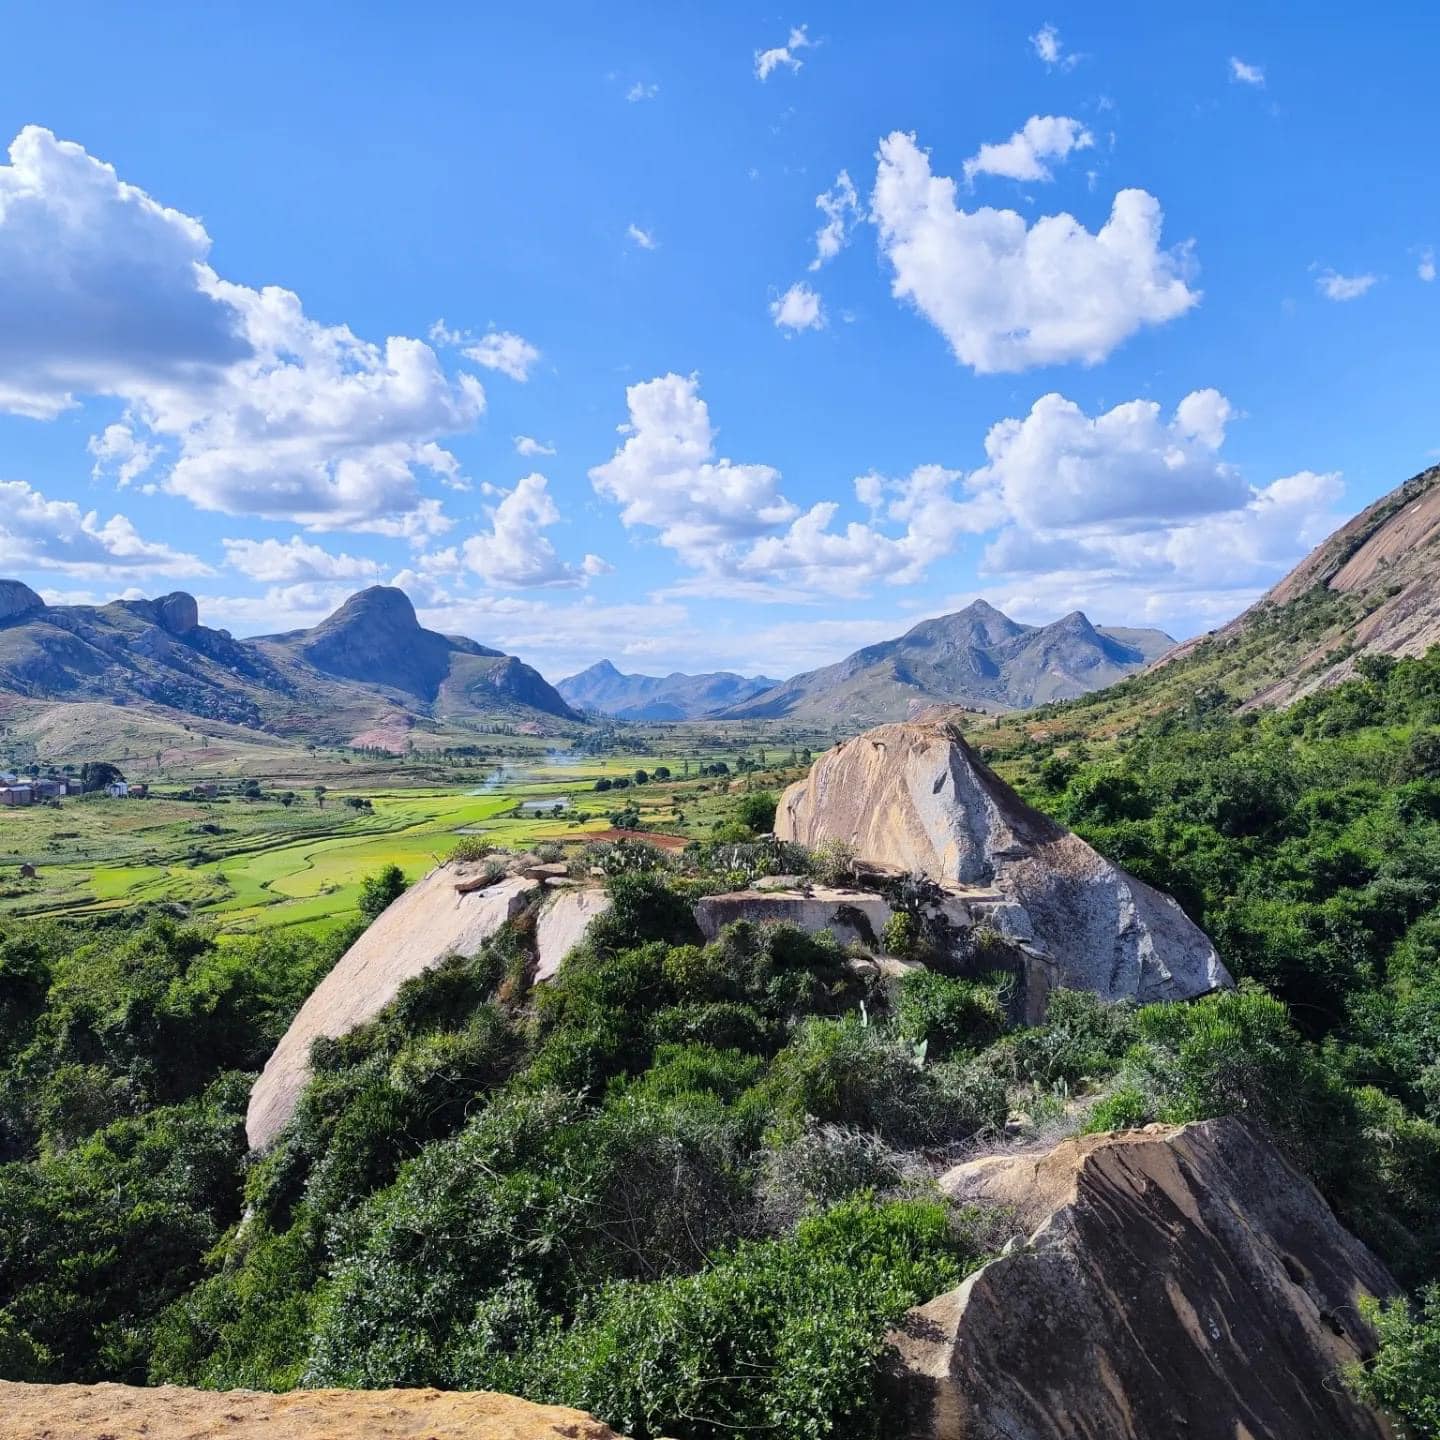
(16, 795)
(118, 790)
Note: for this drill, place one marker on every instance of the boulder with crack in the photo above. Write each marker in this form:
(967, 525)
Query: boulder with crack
(917, 798)
(1176, 1281)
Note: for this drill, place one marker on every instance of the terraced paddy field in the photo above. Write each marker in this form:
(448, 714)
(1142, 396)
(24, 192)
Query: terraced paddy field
(248, 862)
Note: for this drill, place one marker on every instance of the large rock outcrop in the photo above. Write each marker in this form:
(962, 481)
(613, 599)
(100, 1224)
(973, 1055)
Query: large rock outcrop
(1176, 1282)
(450, 912)
(170, 1412)
(916, 798)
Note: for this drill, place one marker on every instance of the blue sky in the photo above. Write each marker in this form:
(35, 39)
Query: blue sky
(1115, 308)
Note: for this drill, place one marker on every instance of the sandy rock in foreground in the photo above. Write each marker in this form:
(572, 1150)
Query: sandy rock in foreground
(169, 1412)
(916, 797)
(449, 912)
(1176, 1282)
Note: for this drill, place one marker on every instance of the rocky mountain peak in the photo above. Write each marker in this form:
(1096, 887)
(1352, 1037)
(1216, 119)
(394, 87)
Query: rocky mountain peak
(17, 599)
(177, 612)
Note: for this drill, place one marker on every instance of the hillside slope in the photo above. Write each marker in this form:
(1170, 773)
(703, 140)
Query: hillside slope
(1371, 589)
(676, 696)
(368, 667)
(977, 657)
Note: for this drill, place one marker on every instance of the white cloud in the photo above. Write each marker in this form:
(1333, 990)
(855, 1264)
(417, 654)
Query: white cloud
(1125, 469)
(116, 449)
(41, 534)
(665, 476)
(1048, 46)
(1426, 268)
(841, 207)
(1008, 296)
(1334, 286)
(1023, 155)
(798, 309)
(290, 562)
(645, 239)
(1243, 74)
(504, 351)
(731, 524)
(641, 91)
(265, 411)
(788, 54)
(1134, 515)
(515, 553)
(528, 446)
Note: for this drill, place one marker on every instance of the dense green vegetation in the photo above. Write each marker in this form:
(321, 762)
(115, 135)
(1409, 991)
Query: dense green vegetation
(689, 1186)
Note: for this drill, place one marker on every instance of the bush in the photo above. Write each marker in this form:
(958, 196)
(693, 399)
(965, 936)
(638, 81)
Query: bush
(782, 1338)
(379, 891)
(756, 812)
(1404, 1375)
(945, 1014)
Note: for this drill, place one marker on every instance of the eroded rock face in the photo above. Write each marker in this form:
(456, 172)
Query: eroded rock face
(917, 798)
(849, 915)
(450, 912)
(177, 612)
(16, 599)
(1176, 1282)
(170, 1412)
(562, 926)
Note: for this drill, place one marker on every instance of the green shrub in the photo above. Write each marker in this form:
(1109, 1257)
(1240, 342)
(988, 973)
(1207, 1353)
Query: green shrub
(782, 1338)
(1404, 1375)
(945, 1014)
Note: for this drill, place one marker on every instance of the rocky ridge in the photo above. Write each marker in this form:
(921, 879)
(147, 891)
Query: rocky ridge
(977, 657)
(370, 668)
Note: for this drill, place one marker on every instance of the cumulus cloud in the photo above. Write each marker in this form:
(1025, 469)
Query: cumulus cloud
(641, 91)
(1050, 49)
(1007, 295)
(515, 553)
(263, 410)
(786, 55)
(645, 239)
(840, 205)
(293, 561)
(741, 536)
(1426, 268)
(504, 351)
(1126, 468)
(37, 533)
(1023, 155)
(1140, 509)
(528, 446)
(1243, 74)
(667, 477)
(1334, 286)
(798, 309)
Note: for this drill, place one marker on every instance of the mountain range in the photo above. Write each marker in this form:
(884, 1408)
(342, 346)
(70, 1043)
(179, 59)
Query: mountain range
(658, 697)
(364, 675)
(977, 657)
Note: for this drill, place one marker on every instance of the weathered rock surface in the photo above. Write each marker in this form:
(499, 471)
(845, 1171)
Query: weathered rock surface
(169, 1412)
(915, 796)
(849, 915)
(1176, 1282)
(436, 917)
(562, 926)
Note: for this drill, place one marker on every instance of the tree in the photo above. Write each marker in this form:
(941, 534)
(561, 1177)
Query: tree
(98, 775)
(379, 890)
(642, 777)
(756, 811)
(319, 793)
